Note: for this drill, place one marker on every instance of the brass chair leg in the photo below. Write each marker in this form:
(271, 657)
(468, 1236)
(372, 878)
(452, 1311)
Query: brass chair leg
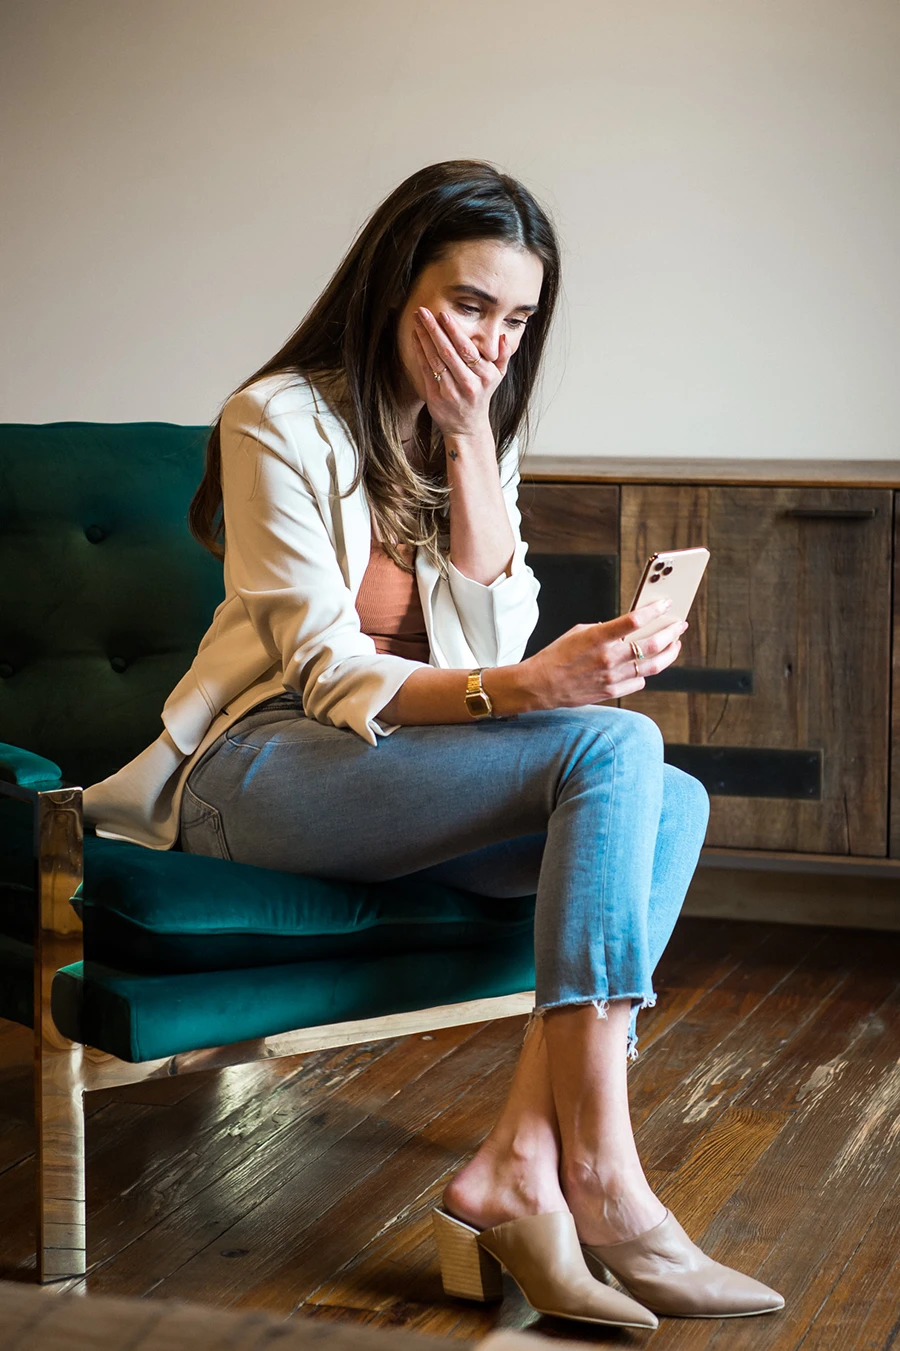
(58, 1085)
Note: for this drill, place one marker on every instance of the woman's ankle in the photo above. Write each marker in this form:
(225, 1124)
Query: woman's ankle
(500, 1185)
(610, 1203)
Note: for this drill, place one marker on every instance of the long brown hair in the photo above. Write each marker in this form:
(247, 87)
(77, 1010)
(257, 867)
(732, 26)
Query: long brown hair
(346, 346)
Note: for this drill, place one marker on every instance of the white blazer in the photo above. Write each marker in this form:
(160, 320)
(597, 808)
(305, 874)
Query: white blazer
(295, 555)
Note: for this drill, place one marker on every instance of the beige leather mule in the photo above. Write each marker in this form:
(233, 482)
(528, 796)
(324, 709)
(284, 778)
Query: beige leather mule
(665, 1270)
(543, 1255)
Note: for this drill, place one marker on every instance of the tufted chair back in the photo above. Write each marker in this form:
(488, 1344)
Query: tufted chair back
(104, 593)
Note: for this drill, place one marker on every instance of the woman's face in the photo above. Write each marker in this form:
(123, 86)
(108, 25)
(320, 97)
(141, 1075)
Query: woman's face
(488, 286)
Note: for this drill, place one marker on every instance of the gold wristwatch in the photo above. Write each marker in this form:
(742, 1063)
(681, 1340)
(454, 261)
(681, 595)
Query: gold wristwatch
(477, 699)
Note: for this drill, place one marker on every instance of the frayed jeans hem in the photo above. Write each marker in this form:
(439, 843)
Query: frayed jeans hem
(602, 1006)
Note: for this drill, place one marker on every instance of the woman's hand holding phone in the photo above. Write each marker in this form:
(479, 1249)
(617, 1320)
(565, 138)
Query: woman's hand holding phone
(592, 663)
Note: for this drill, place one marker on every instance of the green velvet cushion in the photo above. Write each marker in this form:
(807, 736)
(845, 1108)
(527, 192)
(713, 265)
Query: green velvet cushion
(27, 769)
(164, 911)
(148, 1017)
(106, 595)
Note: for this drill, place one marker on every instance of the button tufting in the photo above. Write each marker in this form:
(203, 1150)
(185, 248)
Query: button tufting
(96, 534)
(5, 670)
(119, 664)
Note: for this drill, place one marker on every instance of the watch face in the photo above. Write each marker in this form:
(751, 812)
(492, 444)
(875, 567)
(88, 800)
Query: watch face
(477, 704)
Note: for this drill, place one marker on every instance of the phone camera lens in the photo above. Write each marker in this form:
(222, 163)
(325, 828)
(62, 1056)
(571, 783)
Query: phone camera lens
(658, 567)
(655, 578)
(666, 571)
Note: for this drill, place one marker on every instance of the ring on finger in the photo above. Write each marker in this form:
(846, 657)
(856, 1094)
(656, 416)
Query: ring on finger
(472, 361)
(637, 650)
(437, 374)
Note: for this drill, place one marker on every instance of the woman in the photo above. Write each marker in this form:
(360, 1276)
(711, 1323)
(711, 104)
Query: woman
(377, 596)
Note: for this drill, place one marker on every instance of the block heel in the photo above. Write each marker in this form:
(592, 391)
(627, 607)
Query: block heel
(544, 1258)
(467, 1270)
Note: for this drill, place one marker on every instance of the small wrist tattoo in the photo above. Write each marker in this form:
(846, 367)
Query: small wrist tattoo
(454, 454)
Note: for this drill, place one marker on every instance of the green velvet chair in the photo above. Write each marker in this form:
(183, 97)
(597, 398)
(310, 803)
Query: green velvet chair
(131, 962)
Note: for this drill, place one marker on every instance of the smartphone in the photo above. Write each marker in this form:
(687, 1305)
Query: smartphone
(672, 572)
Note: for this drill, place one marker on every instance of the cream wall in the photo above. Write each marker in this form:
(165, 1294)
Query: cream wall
(182, 176)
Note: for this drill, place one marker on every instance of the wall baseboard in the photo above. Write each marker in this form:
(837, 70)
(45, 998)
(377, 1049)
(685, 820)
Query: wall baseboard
(795, 898)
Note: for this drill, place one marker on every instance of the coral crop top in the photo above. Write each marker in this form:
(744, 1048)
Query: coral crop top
(389, 608)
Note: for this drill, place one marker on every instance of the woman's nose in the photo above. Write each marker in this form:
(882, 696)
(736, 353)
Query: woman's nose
(487, 340)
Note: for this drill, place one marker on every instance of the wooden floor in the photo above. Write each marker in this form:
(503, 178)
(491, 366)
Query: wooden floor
(766, 1104)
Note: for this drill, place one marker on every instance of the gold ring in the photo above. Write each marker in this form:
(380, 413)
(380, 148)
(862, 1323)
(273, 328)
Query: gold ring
(473, 362)
(637, 650)
(437, 375)
(636, 670)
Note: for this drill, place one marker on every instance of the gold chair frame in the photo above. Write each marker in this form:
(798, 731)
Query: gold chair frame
(65, 1070)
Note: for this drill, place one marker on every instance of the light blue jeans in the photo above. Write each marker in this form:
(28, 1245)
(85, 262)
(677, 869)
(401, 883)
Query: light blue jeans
(574, 805)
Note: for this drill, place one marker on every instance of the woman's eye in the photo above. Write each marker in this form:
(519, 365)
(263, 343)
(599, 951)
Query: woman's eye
(468, 309)
(517, 323)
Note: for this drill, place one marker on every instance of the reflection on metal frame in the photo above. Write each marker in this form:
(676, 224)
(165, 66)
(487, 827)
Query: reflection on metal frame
(57, 841)
(58, 1085)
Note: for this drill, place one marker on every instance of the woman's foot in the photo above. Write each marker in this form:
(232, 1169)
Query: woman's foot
(666, 1271)
(545, 1259)
(496, 1186)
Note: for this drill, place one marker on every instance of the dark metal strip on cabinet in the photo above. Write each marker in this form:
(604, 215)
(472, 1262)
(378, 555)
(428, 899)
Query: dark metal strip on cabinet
(832, 513)
(702, 680)
(749, 771)
(575, 589)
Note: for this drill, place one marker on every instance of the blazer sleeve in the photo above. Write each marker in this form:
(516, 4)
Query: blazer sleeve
(497, 619)
(283, 565)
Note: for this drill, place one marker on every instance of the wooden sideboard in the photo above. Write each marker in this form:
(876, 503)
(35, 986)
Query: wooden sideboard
(782, 699)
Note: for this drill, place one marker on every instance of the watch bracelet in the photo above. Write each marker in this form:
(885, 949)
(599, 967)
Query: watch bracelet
(492, 716)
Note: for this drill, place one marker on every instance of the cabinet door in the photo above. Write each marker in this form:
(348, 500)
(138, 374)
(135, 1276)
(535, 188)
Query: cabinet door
(779, 701)
(572, 531)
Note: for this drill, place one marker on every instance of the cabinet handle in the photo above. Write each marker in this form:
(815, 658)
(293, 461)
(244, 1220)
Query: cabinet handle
(833, 513)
